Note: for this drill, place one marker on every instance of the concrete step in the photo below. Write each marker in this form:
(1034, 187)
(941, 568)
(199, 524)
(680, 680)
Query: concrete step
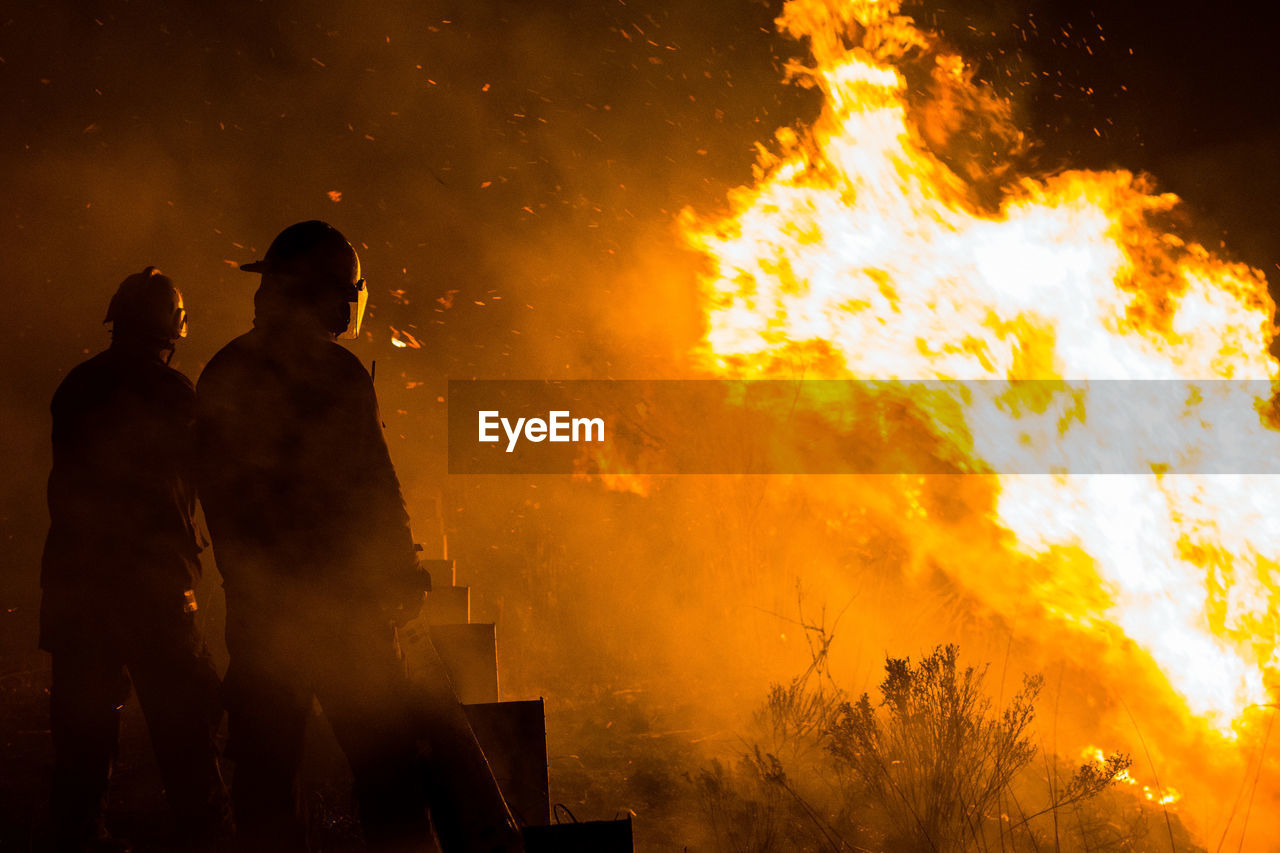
(470, 656)
(449, 605)
(467, 801)
(443, 572)
(505, 743)
(513, 736)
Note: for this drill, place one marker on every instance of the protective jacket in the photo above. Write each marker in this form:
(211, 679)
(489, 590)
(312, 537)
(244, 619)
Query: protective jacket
(120, 498)
(295, 478)
(119, 562)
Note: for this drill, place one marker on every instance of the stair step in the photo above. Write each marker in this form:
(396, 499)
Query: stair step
(470, 655)
(592, 836)
(449, 605)
(443, 572)
(513, 736)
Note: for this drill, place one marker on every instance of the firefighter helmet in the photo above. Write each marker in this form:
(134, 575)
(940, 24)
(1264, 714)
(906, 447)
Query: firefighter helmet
(310, 265)
(148, 306)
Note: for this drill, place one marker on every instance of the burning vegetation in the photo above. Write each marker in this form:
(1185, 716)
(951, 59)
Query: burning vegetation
(872, 245)
(932, 764)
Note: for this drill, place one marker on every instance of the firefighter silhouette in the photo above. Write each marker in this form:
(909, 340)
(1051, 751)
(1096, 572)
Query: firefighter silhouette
(313, 542)
(118, 572)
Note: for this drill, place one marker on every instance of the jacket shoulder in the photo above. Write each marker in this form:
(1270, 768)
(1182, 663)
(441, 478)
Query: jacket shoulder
(105, 374)
(175, 379)
(225, 360)
(347, 362)
(233, 349)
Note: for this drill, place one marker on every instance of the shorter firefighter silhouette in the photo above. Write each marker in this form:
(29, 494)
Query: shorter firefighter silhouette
(119, 568)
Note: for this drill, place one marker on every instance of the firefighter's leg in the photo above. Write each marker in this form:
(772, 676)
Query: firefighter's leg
(87, 694)
(266, 715)
(178, 690)
(364, 698)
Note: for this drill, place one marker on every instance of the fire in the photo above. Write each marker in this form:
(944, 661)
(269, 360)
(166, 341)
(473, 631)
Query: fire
(402, 339)
(859, 253)
(1161, 796)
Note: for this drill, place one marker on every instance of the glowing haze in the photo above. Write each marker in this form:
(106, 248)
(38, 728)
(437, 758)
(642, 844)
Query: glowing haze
(859, 252)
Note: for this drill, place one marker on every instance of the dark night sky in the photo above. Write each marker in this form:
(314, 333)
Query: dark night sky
(534, 152)
(1184, 91)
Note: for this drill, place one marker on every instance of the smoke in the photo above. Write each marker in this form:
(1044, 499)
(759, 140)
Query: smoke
(479, 151)
(509, 177)
(510, 173)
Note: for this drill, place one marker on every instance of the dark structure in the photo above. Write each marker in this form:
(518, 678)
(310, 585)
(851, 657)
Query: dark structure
(119, 569)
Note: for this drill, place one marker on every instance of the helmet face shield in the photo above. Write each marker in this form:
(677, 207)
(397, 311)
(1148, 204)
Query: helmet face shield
(357, 299)
(179, 319)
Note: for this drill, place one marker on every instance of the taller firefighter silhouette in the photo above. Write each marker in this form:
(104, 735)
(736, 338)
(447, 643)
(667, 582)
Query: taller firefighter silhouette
(119, 572)
(313, 542)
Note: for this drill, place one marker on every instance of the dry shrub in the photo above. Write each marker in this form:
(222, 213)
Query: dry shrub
(937, 759)
(932, 765)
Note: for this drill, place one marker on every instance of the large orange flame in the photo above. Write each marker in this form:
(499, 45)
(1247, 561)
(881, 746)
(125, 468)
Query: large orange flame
(858, 252)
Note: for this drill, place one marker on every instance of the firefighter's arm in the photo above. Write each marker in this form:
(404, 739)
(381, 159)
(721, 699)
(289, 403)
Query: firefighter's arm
(400, 581)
